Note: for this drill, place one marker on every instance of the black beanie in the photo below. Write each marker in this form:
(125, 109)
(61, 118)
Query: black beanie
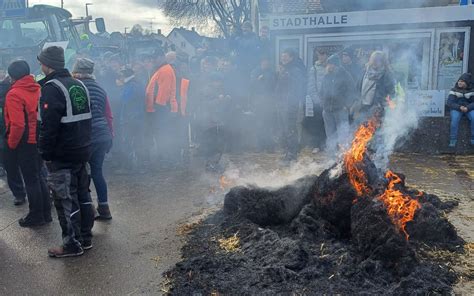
(18, 69)
(52, 57)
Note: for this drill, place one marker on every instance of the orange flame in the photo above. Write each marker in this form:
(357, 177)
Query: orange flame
(391, 103)
(355, 156)
(401, 208)
(224, 182)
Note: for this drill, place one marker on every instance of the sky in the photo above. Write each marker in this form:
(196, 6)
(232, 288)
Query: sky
(118, 14)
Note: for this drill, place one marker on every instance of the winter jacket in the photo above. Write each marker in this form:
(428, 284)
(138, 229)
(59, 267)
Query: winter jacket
(384, 86)
(315, 79)
(355, 70)
(102, 118)
(65, 121)
(20, 111)
(161, 89)
(291, 86)
(132, 106)
(462, 97)
(337, 90)
(263, 81)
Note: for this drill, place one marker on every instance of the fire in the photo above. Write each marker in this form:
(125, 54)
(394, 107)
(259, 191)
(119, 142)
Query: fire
(224, 182)
(400, 207)
(355, 156)
(391, 103)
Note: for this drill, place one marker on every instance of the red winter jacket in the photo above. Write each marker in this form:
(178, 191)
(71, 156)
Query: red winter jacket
(22, 103)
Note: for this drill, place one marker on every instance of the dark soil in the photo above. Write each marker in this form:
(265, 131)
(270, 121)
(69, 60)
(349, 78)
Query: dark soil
(311, 238)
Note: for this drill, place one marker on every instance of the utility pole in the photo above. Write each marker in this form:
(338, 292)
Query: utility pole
(151, 23)
(62, 3)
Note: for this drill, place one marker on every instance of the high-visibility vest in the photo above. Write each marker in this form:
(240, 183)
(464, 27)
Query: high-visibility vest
(78, 103)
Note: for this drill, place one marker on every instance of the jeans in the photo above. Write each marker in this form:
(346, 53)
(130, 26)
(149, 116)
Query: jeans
(336, 125)
(69, 183)
(24, 164)
(456, 118)
(96, 163)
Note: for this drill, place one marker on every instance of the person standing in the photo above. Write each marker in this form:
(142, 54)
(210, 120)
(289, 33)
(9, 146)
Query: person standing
(64, 143)
(315, 78)
(263, 80)
(21, 154)
(461, 102)
(337, 91)
(291, 89)
(349, 63)
(102, 132)
(375, 85)
(161, 105)
(130, 118)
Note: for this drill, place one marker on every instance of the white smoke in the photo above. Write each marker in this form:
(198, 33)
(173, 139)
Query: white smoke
(397, 124)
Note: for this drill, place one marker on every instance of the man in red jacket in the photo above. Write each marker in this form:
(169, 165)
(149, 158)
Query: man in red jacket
(21, 105)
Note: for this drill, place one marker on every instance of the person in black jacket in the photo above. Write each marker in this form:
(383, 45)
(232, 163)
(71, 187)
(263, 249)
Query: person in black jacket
(102, 132)
(337, 89)
(64, 143)
(291, 89)
(461, 102)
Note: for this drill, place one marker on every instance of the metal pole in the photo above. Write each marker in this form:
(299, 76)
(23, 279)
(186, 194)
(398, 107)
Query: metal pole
(62, 3)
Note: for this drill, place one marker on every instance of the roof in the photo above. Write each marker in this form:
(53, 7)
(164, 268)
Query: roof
(190, 35)
(290, 6)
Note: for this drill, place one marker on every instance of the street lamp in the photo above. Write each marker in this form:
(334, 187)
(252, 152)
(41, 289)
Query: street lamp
(87, 8)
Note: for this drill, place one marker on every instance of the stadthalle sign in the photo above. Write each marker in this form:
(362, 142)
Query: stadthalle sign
(367, 18)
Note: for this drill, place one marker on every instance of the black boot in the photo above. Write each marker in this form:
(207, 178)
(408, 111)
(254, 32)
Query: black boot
(104, 212)
(30, 221)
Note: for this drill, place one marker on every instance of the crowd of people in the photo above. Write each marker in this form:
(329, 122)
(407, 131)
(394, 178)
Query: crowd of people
(151, 112)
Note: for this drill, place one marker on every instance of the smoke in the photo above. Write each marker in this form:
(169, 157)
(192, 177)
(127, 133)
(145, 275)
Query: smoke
(397, 124)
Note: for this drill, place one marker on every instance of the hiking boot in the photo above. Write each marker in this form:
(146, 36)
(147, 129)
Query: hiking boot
(30, 222)
(19, 201)
(62, 252)
(104, 212)
(452, 143)
(86, 245)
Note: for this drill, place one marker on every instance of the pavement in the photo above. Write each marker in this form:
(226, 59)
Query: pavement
(142, 241)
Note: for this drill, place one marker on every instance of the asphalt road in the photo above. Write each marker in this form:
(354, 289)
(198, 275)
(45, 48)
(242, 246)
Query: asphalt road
(131, 252)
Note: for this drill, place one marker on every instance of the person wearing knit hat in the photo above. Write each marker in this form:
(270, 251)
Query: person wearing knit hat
(102, 131)
(18, 70)
(52, 57)
(65, 140)
(350, 64)
(337, 93)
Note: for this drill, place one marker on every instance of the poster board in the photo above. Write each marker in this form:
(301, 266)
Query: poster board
(429, 103)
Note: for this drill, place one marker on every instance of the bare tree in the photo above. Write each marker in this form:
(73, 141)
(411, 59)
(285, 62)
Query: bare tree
(226, 14)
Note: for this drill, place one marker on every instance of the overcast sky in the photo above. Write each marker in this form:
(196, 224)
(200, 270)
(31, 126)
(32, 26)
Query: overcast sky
(118, 14)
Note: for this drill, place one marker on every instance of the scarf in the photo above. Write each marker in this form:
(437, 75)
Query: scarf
(369, 85)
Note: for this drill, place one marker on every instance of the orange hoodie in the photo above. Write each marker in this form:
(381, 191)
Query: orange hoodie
(161, 89)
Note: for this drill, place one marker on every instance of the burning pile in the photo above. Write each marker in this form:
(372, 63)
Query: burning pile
(353, 229)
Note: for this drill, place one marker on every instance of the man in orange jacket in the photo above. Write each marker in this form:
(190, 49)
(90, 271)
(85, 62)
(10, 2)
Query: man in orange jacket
(161, 104)
(21, 113)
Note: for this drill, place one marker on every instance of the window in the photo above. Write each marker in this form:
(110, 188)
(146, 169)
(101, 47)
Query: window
(14, 33)
(183, 44)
